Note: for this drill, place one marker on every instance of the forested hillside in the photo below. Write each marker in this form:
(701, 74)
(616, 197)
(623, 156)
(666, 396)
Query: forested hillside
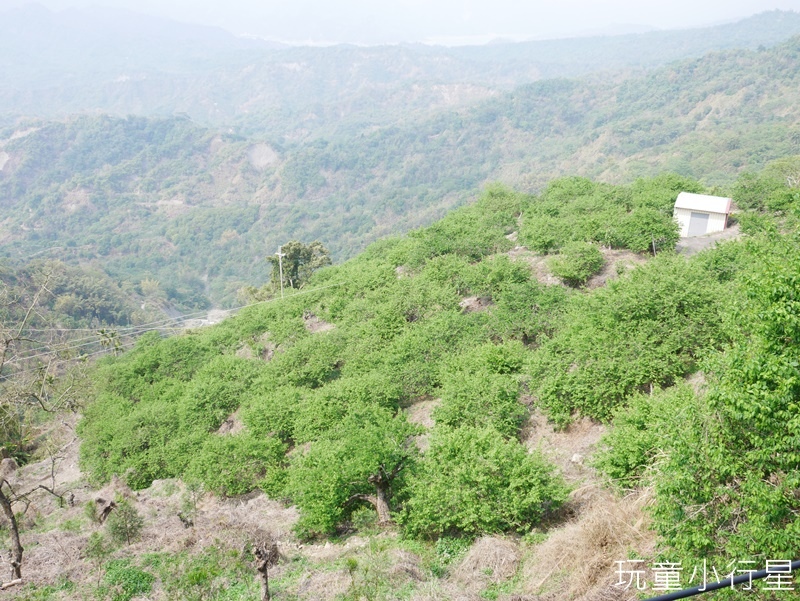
(197, 211)
(54, 64)
(481, 320)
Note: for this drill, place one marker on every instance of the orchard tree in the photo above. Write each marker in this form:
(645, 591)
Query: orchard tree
(362, 460)
(473, 480)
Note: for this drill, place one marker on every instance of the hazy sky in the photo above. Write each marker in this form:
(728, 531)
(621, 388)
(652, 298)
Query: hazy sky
(391, 21)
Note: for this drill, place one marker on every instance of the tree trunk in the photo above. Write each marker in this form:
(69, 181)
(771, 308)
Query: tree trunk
(16, 546)
(381, 499)
(266, 553)
(382, 503)
(263, 573)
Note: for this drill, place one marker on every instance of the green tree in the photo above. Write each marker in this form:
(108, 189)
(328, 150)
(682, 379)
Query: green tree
(297, 262)
(474, 480)
(362, 460)
(124, 524)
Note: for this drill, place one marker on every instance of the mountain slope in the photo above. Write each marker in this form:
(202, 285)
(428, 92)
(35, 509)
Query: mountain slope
(170, 200)
(55, 64)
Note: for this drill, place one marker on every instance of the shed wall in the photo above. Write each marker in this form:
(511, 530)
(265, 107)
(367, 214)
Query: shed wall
(716, 221)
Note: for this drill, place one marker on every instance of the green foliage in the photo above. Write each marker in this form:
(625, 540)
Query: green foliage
(481, 388)
(448, 550)
(473, 481)
(573, 210)
(369, 444)
(738, 432)
(642, 430)
(212, 573)
(32, 592)
(576, 262)
(323, 418)
(124, 524)
(297, 263)
(750, 458)
(234, 465)
(646, 329)
(124, 581)
(472, 232)
(96, 546)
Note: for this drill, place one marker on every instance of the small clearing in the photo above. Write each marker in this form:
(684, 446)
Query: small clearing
(315, 325)
(421, 413)
(692, 246)
(617, 262)
(475, 304)
(232, 426)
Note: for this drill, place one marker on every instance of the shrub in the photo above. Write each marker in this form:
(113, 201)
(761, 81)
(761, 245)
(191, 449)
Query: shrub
(127, 581)
(370, 448)
(124, 524)
(234, 465)
(577, 262)
(474, 480)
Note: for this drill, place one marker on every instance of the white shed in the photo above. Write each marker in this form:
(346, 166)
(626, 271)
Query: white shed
(699, 214)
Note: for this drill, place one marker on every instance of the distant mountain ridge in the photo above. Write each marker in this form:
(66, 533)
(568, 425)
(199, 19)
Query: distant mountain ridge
(57, 64)
(171, 200)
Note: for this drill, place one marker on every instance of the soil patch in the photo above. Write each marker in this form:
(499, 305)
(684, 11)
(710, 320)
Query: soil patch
(568, 448)
(316, 325)
(617, 262)
(475, 304)
(233, 425)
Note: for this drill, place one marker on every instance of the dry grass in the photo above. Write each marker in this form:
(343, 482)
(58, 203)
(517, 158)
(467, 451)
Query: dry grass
(577, 560)
(490, 560)
(322, 586)
(442, 591)
(405, 566)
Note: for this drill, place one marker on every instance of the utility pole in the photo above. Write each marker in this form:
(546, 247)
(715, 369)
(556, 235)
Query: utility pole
(280, 265)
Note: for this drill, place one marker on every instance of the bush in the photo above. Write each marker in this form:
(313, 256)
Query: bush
(639, 332)
(577, 262)
(474, 480)
(234, 465)
(370, 444)
(641, 430)
(127, 581)
(124, 524)
(482, 398)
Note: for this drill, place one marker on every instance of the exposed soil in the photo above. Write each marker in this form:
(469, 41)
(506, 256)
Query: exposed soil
(692, 246)
(617, 262)
(421, 413)
(231, 426)
(315, 325)
(475, 304)
(568, 449)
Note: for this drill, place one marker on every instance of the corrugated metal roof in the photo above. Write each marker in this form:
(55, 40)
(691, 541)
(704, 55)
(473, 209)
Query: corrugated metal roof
(703, 202)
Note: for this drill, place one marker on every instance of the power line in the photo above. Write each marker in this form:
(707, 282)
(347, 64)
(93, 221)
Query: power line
(142, 331)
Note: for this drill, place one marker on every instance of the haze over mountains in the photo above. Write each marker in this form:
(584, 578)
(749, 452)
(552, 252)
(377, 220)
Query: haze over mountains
(57, 63)
(238, 147)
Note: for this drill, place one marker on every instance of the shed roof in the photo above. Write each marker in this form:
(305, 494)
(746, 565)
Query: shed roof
(703, 202)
